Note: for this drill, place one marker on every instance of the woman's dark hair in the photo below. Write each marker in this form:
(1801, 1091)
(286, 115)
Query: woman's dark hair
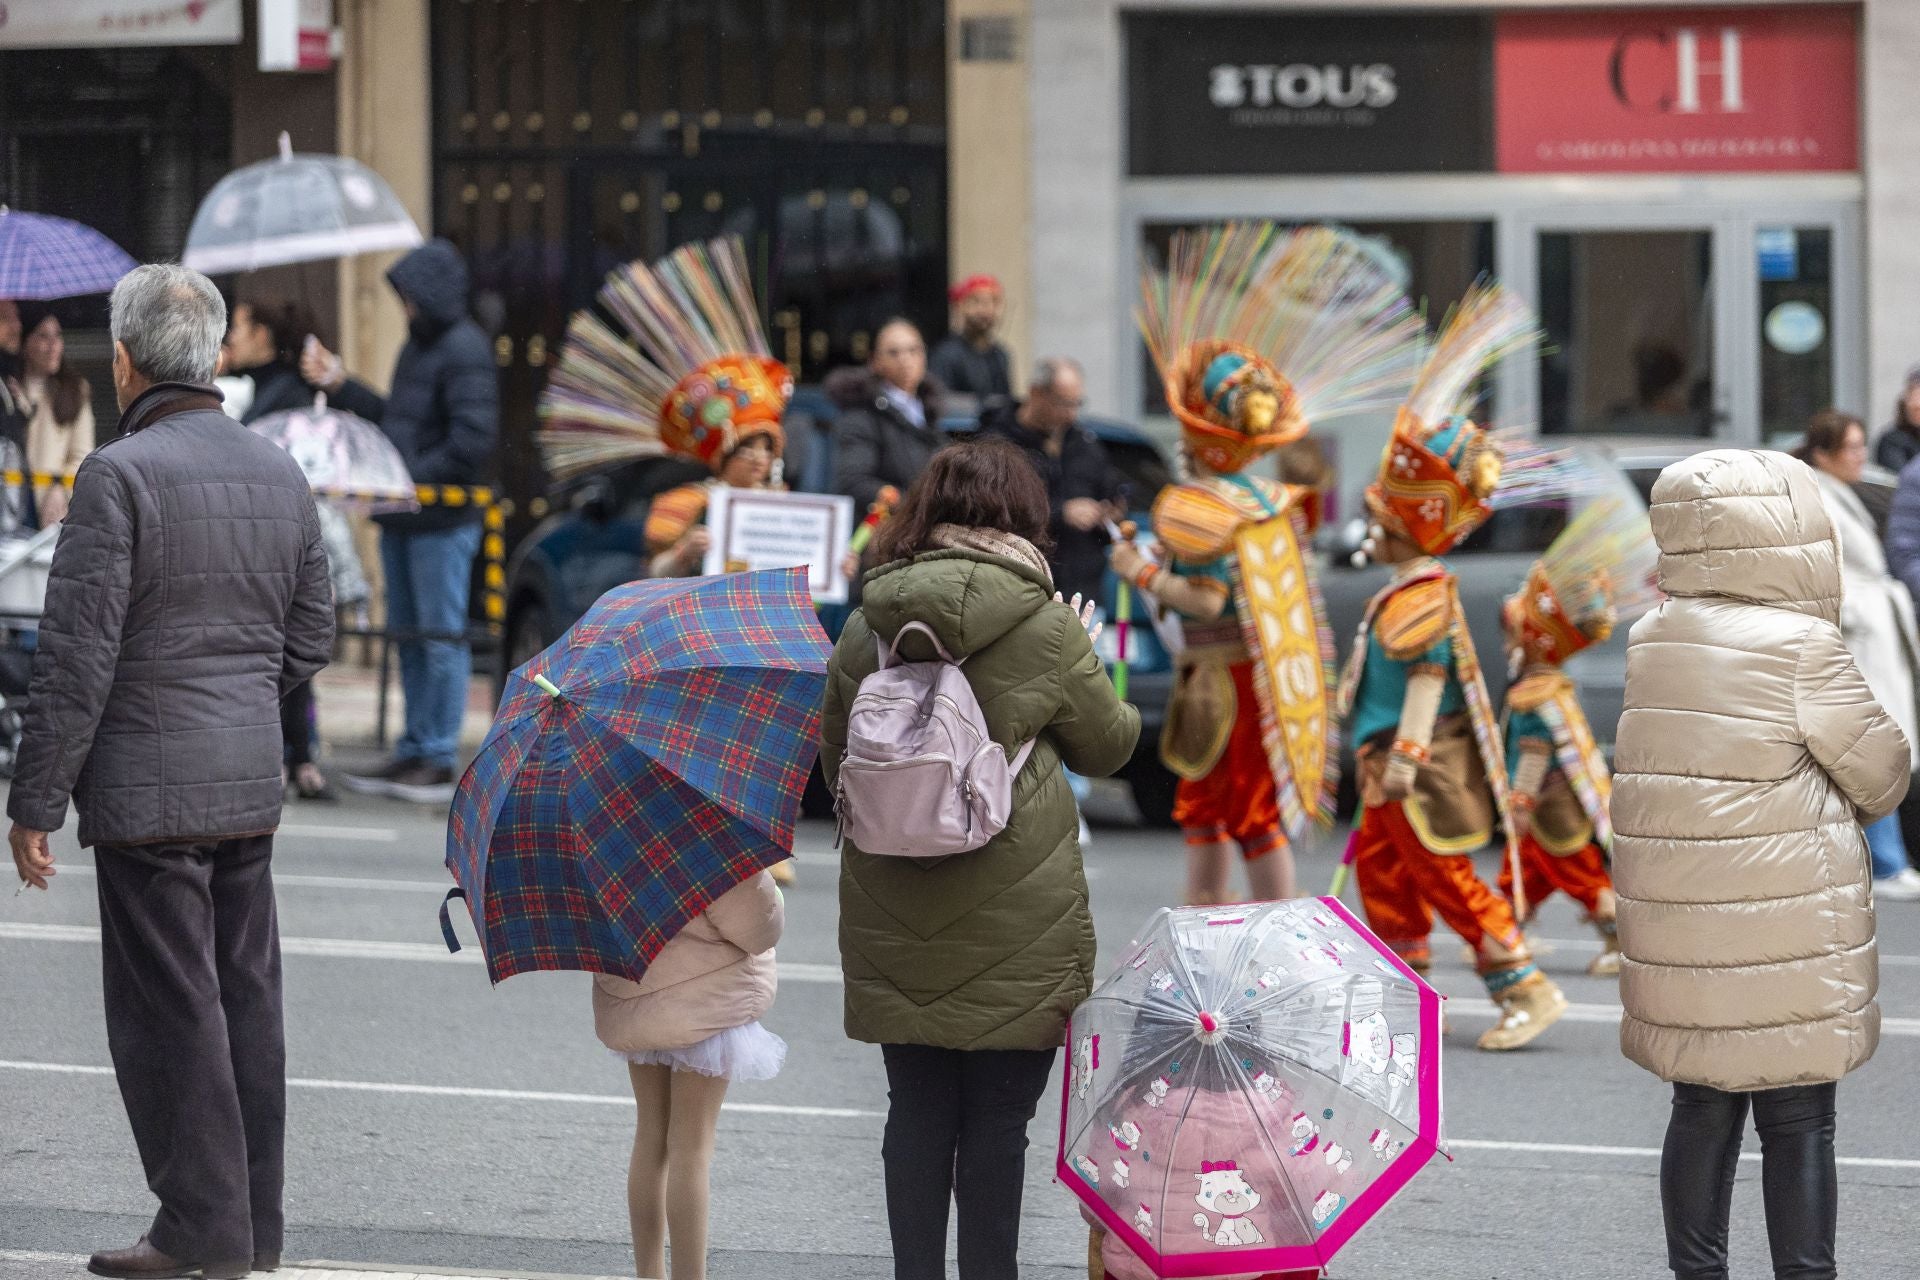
(1827, 433)
(289, 322)
(67, 391)
(981, 484)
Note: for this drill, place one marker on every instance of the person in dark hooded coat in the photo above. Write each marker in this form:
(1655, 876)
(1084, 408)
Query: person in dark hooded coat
(443, 415)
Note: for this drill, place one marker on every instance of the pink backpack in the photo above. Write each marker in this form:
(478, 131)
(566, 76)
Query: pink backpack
(921, 777)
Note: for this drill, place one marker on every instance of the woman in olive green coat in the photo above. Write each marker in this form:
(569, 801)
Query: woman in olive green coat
(965, 969)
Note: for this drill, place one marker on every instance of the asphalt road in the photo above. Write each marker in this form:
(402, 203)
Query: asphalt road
(435, 1121)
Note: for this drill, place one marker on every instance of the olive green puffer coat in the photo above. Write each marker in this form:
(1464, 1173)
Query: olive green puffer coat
(990, 949)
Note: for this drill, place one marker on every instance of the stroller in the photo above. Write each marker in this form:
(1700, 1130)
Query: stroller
(25, 558)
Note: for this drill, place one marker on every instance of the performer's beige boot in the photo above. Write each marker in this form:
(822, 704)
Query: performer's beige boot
(1529, 1002)
(1607, 963)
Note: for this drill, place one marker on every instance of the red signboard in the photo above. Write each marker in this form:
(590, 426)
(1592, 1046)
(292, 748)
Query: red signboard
(1677, 91)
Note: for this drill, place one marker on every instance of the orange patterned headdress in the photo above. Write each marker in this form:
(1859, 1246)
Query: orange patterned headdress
(1599, 573)
(1435, 482)
(722, 403)
(1257, 332)
(684, 368)
(1439, 470)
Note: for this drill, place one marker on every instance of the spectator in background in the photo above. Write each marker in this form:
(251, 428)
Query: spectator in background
(970, 360)
(59, 406)
(1900, 442)
(889, 424)
(443, 415)
(1876, 620)
(1083, 490)
(13, 412)
(263, 344)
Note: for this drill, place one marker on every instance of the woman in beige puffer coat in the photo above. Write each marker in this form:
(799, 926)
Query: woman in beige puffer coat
(1749, 753)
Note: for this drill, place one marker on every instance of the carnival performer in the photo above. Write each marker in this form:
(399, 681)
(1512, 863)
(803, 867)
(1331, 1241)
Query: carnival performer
(691, 376)
(1256, 333)
(1598, 574)
(1432, 777)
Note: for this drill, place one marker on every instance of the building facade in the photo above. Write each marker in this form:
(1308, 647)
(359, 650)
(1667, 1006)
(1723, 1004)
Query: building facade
(1709, 205)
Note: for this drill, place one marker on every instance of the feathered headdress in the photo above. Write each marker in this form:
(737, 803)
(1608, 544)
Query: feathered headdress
(1599, 573)
(1440, 471)
(1259, 332)
(688, 370)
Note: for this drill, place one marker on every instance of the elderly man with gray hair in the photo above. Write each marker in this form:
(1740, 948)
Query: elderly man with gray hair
(188, 594)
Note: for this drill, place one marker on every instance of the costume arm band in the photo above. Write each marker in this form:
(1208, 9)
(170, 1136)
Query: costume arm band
(1535, 756)
(1201, 599)
(1425, 685)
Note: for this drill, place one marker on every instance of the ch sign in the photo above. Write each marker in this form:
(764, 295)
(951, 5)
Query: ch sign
(1677, 90)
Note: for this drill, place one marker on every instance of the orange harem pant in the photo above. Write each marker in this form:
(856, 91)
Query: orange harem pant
(1581, 876)
(1402, 885)
(1237, 800)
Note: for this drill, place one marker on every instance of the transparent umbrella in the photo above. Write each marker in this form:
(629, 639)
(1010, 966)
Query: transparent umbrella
(296, 208)
(1249, 1087)
(347, 459)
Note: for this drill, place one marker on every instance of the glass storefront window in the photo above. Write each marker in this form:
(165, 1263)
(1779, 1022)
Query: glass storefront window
(1795, 266)
(1629, 323)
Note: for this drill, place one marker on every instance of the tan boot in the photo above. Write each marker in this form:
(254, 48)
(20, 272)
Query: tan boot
(1607, 963)
(1527, 1008)
(1096, 1268)
(782, 872)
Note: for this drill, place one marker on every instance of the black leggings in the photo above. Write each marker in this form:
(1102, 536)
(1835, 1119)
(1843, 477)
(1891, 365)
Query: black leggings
(1797, 1178)
(957, 1130)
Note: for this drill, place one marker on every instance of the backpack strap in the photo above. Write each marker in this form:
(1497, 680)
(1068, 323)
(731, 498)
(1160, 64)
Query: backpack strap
(889, 653)
(1019, 761)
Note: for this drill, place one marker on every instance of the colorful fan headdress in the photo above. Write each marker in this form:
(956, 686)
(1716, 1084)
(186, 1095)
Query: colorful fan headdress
(1259, 332)
(1599, 573)
(688, 371)
(1440, 470)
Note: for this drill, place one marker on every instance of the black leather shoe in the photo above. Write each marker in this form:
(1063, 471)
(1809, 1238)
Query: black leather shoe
(267, 1260)
(144, 1262)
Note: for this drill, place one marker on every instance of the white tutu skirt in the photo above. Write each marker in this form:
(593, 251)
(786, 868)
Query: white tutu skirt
(742, 1054)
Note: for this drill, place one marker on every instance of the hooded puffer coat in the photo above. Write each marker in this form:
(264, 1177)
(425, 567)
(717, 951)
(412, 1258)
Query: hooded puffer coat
(1749, 753)
(990, 949)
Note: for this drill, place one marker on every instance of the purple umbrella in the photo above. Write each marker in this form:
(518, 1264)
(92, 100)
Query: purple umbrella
(43, 257)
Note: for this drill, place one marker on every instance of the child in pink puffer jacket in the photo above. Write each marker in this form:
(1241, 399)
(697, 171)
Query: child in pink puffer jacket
(690, 1026)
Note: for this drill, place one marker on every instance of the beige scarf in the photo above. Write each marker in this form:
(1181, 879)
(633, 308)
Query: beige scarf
(993, 542)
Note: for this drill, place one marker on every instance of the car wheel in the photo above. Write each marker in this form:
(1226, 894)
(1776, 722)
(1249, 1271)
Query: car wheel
(528, 635)
(1152, 791)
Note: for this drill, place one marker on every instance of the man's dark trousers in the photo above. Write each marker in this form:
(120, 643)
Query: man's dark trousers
(190, 948)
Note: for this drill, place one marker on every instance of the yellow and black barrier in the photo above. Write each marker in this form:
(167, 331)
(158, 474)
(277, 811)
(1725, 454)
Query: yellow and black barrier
(494, 513)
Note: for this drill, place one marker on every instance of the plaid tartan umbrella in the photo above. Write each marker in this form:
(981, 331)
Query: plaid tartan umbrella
(43, 257)
(649, 761)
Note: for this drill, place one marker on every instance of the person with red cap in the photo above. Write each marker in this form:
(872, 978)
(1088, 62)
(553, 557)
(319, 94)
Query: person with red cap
(970, 360)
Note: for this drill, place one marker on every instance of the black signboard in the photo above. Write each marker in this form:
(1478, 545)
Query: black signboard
(1264, 92)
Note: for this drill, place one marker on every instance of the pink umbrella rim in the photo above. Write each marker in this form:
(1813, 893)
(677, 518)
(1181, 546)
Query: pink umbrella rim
(1295, 1260)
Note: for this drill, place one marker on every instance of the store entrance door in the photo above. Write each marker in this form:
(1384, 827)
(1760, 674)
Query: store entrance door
(1661, 321)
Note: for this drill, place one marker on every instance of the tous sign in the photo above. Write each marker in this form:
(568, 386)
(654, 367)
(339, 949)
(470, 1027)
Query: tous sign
(1301, 85)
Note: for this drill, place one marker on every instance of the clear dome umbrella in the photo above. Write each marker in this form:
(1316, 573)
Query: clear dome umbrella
(346, 459)
(296, 208)
(1249, 1088)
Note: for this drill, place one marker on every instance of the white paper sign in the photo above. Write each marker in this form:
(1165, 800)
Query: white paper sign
(65, 24)
(768, 529)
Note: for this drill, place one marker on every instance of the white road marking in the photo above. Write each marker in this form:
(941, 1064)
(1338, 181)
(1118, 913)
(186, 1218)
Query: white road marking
(290, 1271)
(369, 884)
(367, 949)
(460, 1091)
(1647, 1153)
(1470, 1006)
(372, 835)
(853, 1113)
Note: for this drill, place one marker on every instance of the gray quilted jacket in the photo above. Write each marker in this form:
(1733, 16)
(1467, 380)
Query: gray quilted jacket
(188, 593)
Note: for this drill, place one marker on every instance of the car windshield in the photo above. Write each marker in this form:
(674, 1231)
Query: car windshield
(1527, 530)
